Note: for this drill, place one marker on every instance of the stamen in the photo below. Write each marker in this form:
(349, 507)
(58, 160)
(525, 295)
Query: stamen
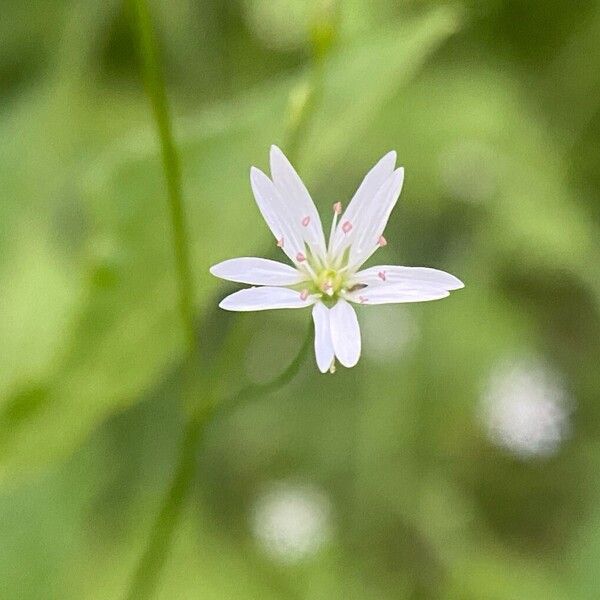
(301, 258)
(332, 367)
(362, 299)
(337, 210)
(310, 270)
(304, 295)
(280, 242)
(381, 275)
(357, 286)
(305, 221)
(347, 227)
(381, 241)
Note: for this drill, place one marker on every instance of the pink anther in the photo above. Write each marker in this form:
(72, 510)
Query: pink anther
(346, 227)
(304, 295)
(362, 299)
(300, 257)
(337, 208)
(305, 221)
(381, 241)
(381, 275)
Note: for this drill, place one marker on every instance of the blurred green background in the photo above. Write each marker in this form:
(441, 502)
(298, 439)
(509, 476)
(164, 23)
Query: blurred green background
(459, 460)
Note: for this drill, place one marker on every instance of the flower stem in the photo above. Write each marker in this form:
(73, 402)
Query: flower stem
(147, 573)
(155, 87)
(255, 390)
(150, 565)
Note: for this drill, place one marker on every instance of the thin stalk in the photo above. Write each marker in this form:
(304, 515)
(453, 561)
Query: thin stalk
(150, 565)
(323, 34)
(146, 576)
(155, 87)
(256, 390)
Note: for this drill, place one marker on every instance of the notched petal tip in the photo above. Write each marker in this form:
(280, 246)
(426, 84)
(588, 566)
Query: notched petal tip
(219, 270)
(258, 178)
(391, 156)
(276, 156)
(459, 285)
(255, 172)
(452, 283)
(224, 305)
(275, 149)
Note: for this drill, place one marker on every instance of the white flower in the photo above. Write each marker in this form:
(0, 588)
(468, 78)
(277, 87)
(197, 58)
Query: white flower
(327, 276)
(292, 522)
(526, 408)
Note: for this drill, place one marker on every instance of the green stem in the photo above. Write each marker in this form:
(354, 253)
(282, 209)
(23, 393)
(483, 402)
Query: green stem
(323, 33)
(148, 570)
(255, 390)
(150, 565)
(155, 87)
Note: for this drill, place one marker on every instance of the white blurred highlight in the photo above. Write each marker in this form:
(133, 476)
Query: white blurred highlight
(388, 332)
(291, 522)
(526, 409)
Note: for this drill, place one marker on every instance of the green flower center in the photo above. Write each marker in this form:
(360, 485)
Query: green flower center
(329, 282)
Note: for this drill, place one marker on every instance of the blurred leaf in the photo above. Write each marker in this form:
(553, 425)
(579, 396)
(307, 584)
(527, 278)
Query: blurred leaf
(488, 572)
(359, 82)
(482, 152)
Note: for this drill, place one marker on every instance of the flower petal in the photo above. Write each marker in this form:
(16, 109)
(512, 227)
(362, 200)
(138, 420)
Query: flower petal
(393, 293)
(345, 333)
(388, 274)
(373, 218)
(323, 344)
(257, 271)
(276, 214)
(298, 203)
(265, 298)
(364, 195)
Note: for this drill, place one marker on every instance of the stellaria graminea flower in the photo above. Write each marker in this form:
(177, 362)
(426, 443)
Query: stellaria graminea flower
(324, 275)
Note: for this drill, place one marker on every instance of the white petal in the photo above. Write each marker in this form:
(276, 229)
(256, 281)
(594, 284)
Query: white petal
(257, 271)
(276, 214)
(388, 274)
(365, 193)
(372, 220)
(345, 333)
(323, 344)
(393, 293)
(265, 298)
(298, 203)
